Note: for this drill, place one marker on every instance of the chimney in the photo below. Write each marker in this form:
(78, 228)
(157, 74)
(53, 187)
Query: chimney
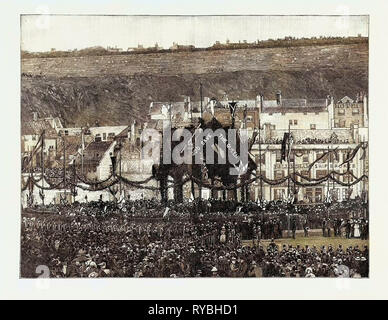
(267, 131)
(133, 131)
(259, 101)
(279, 98)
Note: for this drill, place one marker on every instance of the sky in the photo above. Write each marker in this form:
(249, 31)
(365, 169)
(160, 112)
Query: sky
(64, 32)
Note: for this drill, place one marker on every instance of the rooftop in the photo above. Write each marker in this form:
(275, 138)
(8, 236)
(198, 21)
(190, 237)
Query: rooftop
(315, 136)
(294, 105)
(36, 127)
(95, 151)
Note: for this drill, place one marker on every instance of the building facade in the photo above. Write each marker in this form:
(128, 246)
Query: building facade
(349, 112)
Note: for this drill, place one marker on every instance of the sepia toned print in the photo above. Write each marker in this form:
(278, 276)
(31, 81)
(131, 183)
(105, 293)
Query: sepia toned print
(236, 150)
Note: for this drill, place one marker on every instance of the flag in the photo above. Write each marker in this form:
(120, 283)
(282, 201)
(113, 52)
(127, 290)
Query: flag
(286, 146)
(328, 198)
(290, 142)
(165, 214)
(241, 168)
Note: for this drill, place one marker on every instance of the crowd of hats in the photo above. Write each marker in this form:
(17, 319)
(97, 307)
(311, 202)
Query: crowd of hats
(94, 240)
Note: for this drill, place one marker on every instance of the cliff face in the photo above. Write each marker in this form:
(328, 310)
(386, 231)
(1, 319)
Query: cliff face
(115, 89)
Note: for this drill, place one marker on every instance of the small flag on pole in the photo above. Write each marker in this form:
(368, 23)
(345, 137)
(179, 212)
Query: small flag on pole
(165, 214)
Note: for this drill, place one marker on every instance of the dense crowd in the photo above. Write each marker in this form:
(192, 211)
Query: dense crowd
(306, 141)
(143, 239)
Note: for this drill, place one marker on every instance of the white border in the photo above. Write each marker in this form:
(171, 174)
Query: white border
(11, 287)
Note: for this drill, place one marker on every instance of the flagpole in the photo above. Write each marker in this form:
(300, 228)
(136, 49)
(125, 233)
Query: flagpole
(42, 165)
(334, 160)
(82, 155)
(348, 173)
(64, 164)
(288, 160)
(293, 167)
(328, 171)
(200, 186)
(261, 180)
(120, 168)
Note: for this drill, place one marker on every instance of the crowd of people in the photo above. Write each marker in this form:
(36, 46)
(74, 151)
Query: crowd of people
(142, 239)
(306, 141)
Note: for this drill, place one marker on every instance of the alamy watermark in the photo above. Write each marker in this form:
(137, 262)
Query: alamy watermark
(197, 146)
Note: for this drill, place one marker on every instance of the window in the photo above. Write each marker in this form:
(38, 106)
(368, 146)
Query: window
(257, 159)
(318, 194)
(66, 132)
(98, 137)
(336, 123)
(279, 174)
(273, 127)
(347, 178)
(306, 158)
(104, 136)
(290, 122)
(321, 173)
(33, 138)
(249, 118)
(313, 126)
(355, 111)
(341, 111)
(309, 194)
(323, 159)
(334, 194)
(278, 156)
(295, 122)
(279, 194)
(305, 173)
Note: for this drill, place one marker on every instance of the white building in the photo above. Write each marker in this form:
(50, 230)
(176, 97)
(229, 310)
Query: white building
(305, 114)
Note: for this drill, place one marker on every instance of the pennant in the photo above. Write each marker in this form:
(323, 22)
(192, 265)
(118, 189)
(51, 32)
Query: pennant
(166, 212)
(286, 146)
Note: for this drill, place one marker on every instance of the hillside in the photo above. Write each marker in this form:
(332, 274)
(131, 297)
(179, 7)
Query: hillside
(115, 89)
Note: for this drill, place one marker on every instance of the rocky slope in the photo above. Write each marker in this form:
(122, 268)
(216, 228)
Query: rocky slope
(113, 92)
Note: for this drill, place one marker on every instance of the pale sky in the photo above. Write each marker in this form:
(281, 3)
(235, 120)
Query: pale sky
(63, 32)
